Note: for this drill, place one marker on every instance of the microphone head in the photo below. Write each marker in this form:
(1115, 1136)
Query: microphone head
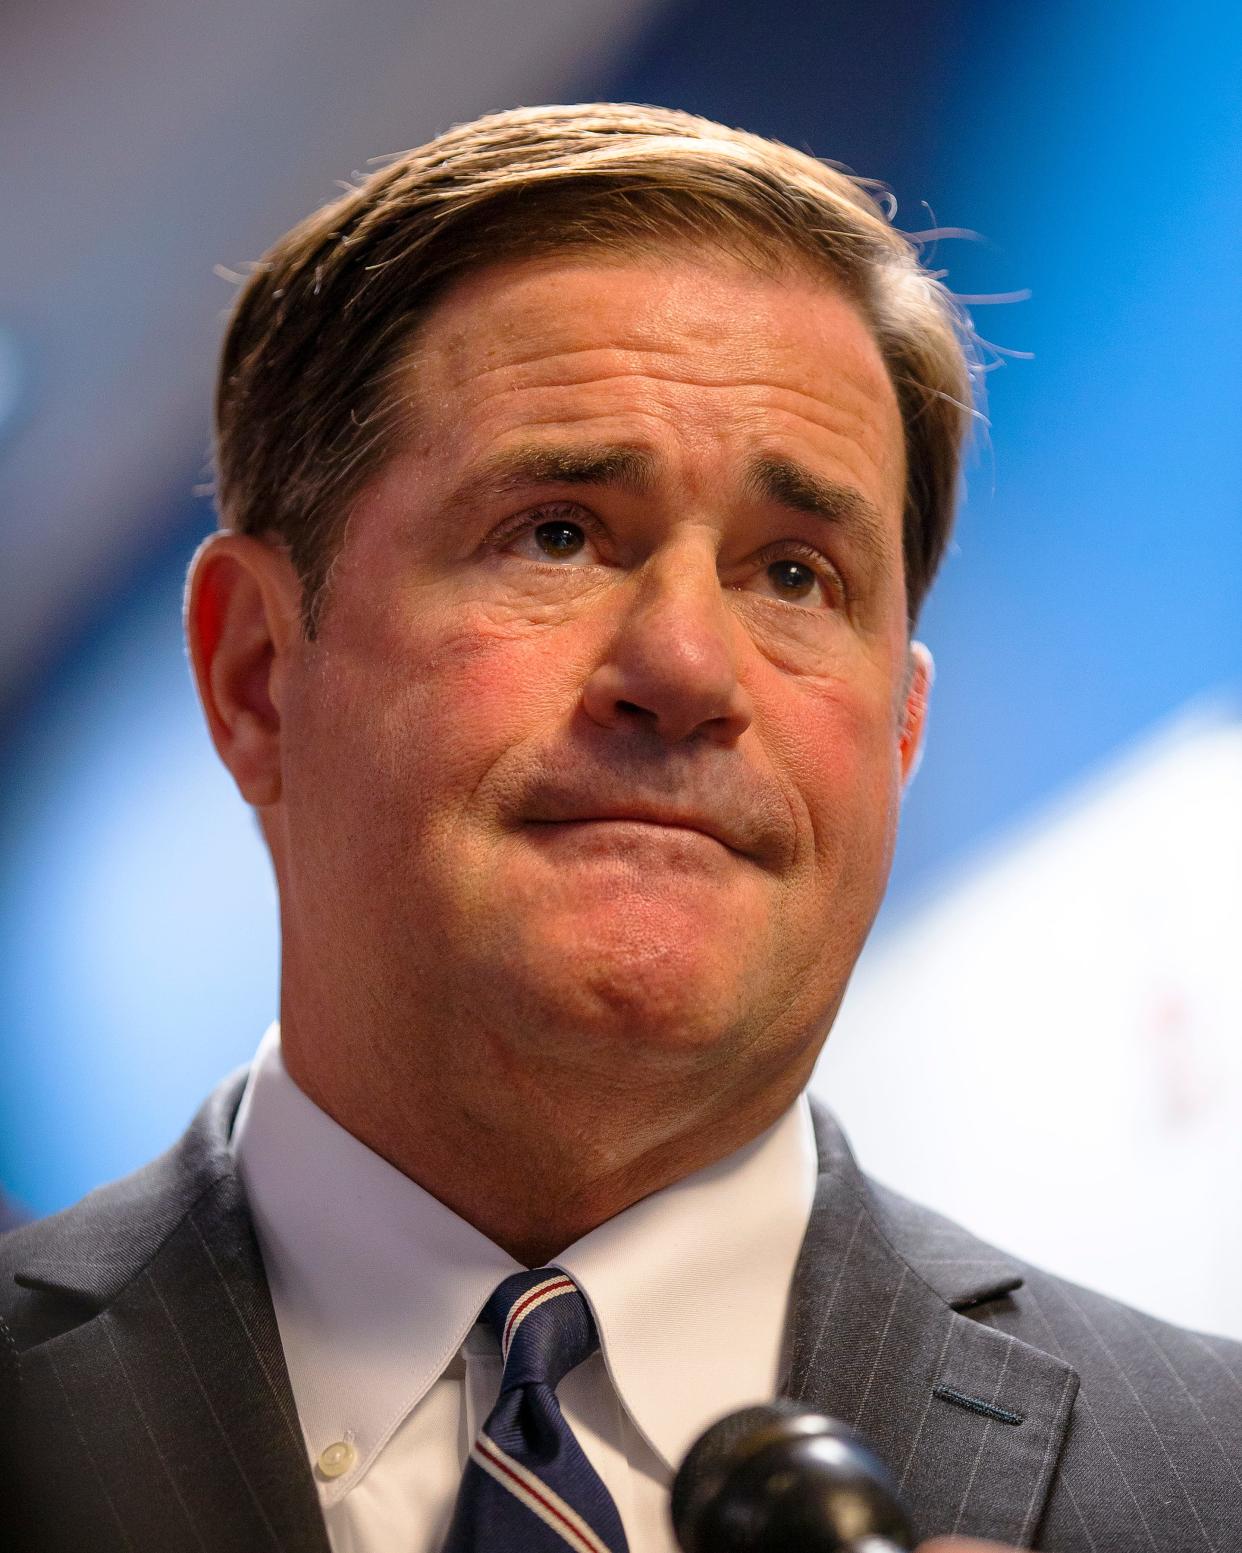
(780, 1478)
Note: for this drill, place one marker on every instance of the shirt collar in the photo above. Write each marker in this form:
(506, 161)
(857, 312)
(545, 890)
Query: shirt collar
(690, 1286)
(376, 1284)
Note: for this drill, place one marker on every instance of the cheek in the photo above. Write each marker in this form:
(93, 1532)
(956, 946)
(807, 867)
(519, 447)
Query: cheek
(841, 751)
(439, 693)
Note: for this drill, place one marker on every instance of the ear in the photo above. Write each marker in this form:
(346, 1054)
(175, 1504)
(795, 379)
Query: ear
(920, 673)
(242, 624)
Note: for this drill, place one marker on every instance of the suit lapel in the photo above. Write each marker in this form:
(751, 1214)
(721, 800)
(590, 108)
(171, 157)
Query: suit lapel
(969, 1419)
(171, 1403)
(160, 1391)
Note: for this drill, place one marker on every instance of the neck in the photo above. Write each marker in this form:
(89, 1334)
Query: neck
(535, 1164)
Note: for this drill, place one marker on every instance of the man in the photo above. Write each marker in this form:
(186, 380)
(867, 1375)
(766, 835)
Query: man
(582, 475)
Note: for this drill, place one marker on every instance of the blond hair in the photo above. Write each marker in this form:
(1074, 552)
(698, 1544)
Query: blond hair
(305, 412)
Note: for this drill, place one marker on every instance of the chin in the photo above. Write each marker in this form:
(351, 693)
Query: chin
(655, 1006)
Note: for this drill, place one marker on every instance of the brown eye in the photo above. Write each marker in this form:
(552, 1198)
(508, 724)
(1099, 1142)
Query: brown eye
(793, 579)
(559, 538)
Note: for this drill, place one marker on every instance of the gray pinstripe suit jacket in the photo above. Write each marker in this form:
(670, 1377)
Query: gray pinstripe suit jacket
(148, 1409)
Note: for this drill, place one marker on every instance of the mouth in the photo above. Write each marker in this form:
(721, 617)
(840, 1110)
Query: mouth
(641, 822)
(731, 807)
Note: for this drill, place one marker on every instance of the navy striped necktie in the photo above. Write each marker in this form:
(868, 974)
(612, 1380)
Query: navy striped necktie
(527, 1487)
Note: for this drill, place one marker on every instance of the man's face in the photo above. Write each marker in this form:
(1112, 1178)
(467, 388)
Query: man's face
(597, 757)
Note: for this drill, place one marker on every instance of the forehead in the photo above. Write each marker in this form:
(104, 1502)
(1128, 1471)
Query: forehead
(698, 360)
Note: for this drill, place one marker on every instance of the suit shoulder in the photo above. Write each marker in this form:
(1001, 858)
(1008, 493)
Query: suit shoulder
(1153, 1452)
(80, 1258)
(1054, 1313)
(1085, 1328)
(1123, 1351)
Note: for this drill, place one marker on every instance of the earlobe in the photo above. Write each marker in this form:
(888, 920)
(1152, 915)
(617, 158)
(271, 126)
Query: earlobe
(242, 621)
(920, 675)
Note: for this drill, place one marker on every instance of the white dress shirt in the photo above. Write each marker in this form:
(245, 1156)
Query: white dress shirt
(377, 1288)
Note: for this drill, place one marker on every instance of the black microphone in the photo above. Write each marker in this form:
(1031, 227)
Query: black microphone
(782, 1479)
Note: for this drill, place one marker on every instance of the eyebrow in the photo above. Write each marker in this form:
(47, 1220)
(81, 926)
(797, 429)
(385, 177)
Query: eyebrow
(769, 477)
(787, 483)
(518, 468)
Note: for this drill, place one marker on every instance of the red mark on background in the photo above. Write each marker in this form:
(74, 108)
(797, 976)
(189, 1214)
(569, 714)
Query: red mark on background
(1181, 1082)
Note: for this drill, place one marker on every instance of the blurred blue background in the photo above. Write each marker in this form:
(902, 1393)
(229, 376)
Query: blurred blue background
(1093, 589)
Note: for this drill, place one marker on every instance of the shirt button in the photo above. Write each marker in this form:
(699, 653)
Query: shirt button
(336, 1459)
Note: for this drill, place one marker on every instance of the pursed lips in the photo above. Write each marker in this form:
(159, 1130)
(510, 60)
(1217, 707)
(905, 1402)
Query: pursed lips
(641, 815)
(735, 809)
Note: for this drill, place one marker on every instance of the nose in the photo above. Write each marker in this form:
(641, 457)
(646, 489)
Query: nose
(670, 665)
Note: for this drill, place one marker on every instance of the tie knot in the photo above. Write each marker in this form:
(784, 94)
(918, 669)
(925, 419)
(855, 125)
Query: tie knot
(544, 1327)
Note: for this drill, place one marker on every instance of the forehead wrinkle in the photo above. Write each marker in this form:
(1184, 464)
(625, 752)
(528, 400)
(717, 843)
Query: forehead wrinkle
(852, 404)
(494, 386)
(857, 384)
(846, 421)
(562, 362)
